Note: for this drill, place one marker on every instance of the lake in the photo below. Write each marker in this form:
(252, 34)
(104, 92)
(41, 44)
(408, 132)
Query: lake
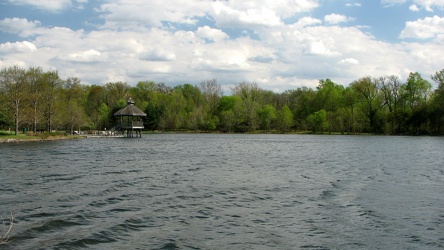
(219, 191)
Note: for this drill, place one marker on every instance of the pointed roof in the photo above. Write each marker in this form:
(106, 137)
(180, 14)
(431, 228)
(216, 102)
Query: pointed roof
(130, 110)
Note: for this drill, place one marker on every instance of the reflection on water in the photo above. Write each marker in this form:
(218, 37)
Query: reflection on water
(198, 191)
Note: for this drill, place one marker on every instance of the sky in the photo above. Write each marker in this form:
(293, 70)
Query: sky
(278, 44)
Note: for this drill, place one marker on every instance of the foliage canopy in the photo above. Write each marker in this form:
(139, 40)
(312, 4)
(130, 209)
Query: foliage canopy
(42, 101)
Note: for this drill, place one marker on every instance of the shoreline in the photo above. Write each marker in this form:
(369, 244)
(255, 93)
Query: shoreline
(75, 137)
(55, 138)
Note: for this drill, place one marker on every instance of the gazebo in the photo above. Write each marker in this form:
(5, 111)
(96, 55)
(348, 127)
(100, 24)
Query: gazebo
(130, 120)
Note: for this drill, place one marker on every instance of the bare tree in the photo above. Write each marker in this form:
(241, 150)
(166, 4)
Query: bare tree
(250, 95)
(369, 95)
(34, 81)
(51, 86)
(212, 93)
(74, 93)
(116, 91)
(390, 86)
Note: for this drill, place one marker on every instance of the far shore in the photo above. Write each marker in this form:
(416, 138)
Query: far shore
(11, 138)
(24, 138)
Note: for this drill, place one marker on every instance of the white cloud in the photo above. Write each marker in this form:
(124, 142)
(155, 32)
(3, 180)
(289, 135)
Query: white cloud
(86, 56)
(429, 27)
(388, 3)
(132, 14)
(350, 61)
(227, 16)
(239, 13)
(428, 5)
(50, 5)
(307, 21)
(353, 4)
(157, 55)
(24, 46)
(318, 47)
(20, 26)
(229, 57)
(414, 8)
(336, 18)
(428, 58)
(133, 45)
(289, 56)
(212, 34)
(341, 53)
(261, 59)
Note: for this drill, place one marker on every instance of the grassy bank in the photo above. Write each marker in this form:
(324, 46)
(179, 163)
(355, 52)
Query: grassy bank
(10, 137)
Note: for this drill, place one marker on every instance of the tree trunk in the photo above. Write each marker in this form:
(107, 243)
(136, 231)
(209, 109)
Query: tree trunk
(16, 117)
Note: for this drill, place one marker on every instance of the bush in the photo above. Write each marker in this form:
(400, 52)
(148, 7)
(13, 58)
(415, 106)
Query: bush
(6, 133)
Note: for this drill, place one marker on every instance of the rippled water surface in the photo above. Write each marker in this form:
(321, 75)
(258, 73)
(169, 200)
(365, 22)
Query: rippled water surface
(206, 191)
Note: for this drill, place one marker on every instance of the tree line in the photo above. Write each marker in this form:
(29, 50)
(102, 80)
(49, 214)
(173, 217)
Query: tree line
(41, 101)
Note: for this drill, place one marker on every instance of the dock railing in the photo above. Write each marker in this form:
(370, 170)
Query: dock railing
(129, 125)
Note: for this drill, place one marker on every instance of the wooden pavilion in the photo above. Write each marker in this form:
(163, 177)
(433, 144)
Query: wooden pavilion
(130, 120)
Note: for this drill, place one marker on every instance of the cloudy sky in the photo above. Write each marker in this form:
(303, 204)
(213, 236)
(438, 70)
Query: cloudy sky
(279, 44)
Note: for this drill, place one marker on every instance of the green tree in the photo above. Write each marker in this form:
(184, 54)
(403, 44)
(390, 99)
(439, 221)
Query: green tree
(192, 94)
(417, 90)
(226, 103)
(154, 113)
(116, 91)
(318, 121)
(250, 95)
(391, 89)
(350, 100)
(34, 78)
(5, 116)
(74, 96)
(104, 114)
(209, 122)
(175, 114)
(284, 119)
(267, 115)
(51, 86)
(95, 97)
(369, 96)
(143, 93)
(227, 120)
(13, 84)
(437, 113)
(329, 95)
(416, 93)
(212, 93)
(229, 113)
(301, 102)
(194, 111)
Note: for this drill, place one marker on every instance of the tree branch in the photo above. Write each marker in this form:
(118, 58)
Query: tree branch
(4, 238)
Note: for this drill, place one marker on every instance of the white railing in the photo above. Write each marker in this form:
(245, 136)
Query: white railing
(133, 124)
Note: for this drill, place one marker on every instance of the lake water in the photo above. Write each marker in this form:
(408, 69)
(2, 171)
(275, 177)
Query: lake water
(212, 191)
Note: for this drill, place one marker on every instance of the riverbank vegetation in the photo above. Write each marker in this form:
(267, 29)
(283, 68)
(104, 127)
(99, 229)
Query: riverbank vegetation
(10, 137)
(36, 100)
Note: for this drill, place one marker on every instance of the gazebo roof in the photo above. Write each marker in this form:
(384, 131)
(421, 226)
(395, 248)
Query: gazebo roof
(130, 110)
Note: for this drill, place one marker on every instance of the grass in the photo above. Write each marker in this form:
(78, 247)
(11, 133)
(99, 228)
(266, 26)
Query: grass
(29, 136)
(2, 133)
(5, 135)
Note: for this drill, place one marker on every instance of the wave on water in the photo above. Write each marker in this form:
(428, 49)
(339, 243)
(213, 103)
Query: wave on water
(194, 191)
